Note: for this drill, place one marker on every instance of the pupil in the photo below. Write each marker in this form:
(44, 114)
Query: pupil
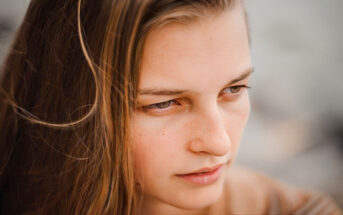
(163, 104)
(235, 89)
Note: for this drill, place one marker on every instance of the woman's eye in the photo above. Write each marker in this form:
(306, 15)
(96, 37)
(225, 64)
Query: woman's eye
(234, 90)
(161, 105)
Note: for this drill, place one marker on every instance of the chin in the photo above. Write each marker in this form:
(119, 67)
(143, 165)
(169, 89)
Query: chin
(198, 198)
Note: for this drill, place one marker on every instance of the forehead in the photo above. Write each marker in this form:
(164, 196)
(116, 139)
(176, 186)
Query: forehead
(209, 50)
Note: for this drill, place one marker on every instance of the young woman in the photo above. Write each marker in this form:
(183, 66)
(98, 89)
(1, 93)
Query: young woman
(132, 107)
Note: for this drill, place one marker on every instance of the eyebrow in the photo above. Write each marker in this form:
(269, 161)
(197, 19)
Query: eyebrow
(173, 92)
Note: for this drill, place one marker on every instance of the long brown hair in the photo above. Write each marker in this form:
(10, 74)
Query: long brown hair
(68, 88)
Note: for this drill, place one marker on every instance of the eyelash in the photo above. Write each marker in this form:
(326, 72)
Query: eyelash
(166, 104)
(160, 105)
(239, 87)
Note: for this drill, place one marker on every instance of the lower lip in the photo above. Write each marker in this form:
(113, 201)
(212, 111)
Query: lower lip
(203, 178)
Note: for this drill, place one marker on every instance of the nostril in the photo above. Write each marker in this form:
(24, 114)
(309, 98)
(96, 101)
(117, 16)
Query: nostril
(210, 145)
(195, 145)
(208, 133)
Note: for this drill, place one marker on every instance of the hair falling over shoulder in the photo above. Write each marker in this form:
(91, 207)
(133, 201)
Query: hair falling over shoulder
(66, 93)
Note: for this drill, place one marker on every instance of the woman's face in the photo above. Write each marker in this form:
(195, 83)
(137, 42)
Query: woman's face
(192, 106)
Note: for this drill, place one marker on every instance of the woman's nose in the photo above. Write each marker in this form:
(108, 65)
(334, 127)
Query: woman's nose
(209, 134)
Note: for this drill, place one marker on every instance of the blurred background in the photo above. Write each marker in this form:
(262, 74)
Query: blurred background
(295, 131)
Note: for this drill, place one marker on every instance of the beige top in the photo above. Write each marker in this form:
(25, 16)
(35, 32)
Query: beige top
(251, 193)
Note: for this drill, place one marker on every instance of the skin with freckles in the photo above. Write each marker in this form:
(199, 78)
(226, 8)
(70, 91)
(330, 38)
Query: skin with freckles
(191, 110)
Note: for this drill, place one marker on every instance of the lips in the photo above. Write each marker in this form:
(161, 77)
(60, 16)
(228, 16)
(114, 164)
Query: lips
(204, 170)
(203, 176)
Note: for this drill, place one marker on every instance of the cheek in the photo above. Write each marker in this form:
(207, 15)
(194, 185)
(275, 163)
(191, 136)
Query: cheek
(153, 148)
(241, 113)
(236, 119)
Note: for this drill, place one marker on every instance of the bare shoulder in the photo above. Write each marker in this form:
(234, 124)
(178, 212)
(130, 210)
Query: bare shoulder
(250, 192)
(246, 192)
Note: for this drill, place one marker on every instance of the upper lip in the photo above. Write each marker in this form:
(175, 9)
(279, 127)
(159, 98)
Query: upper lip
(205, 169)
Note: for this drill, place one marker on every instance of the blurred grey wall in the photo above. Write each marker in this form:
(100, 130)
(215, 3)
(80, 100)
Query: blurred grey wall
(295, 132)
(11, 15)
